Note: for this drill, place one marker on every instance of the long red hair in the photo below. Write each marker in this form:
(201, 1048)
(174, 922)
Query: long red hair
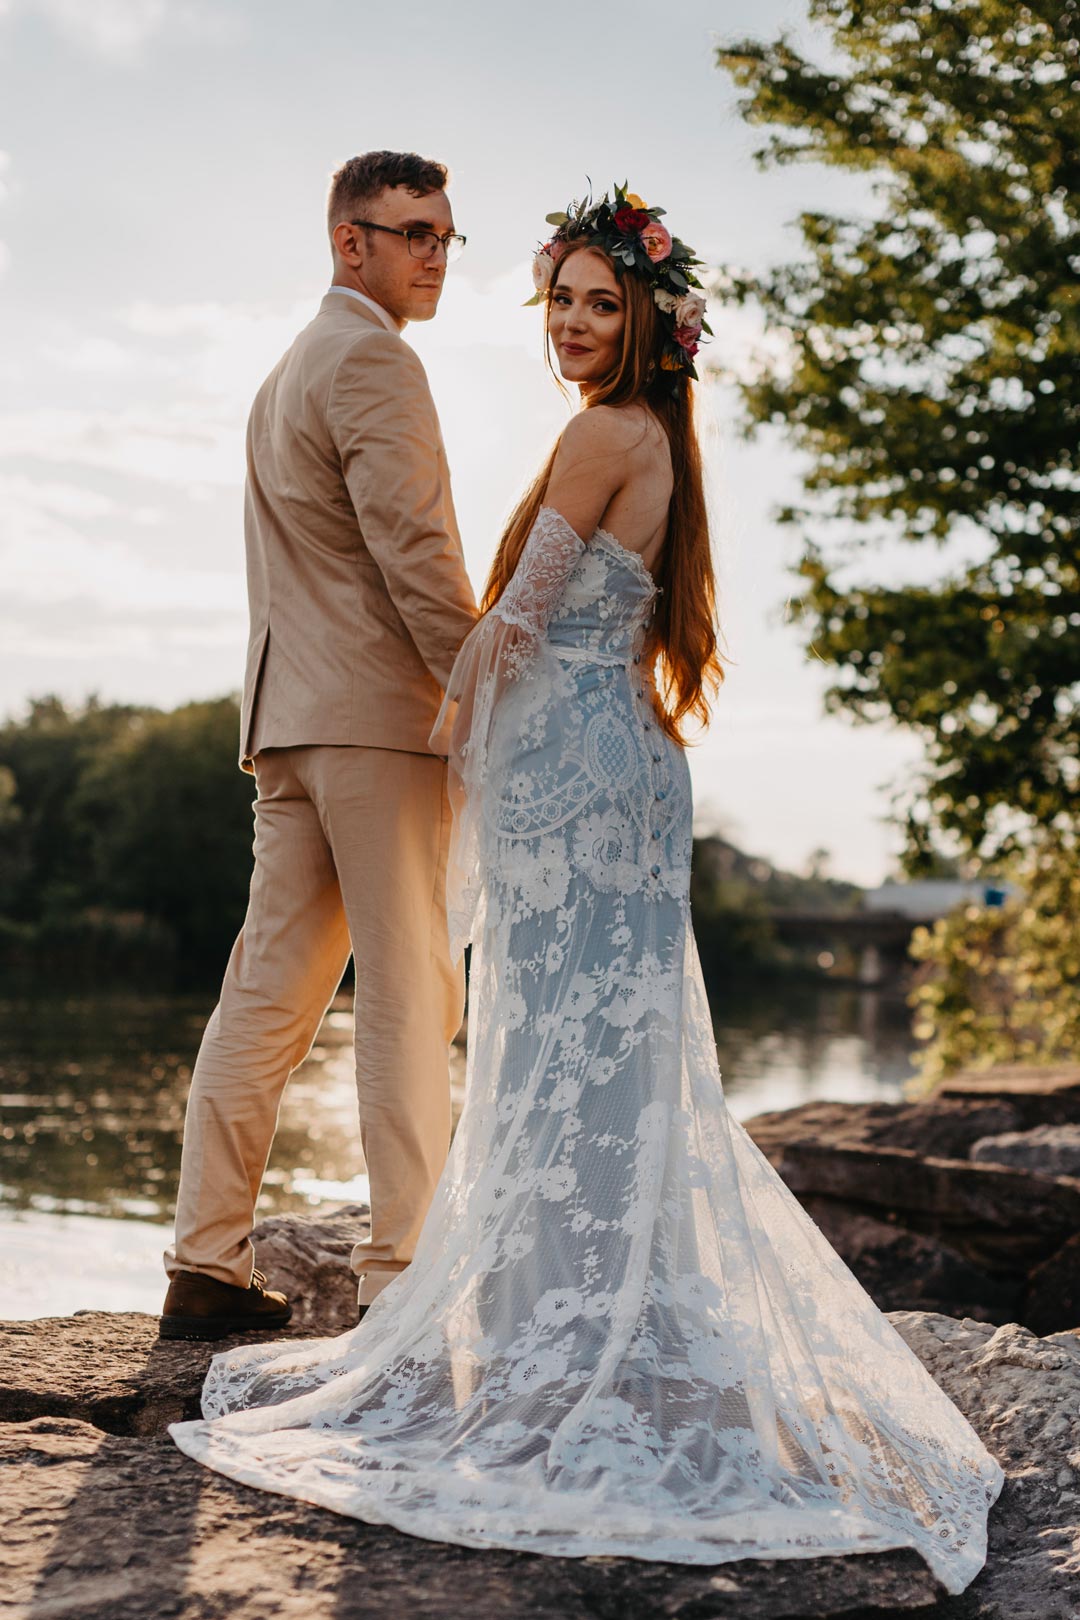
(682, 642)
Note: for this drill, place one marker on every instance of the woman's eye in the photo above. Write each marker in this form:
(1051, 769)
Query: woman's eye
(606, 307)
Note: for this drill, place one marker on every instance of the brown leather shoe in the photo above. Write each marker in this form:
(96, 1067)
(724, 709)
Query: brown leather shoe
(201, 1307)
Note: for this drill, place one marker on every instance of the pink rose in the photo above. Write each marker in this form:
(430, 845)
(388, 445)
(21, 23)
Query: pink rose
(556, 248)
(690, 310)
(656, 240)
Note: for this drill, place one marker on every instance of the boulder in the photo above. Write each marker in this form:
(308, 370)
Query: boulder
(1048, 1150)
(1037, 1096)
(308, 1257)
(1053, 1290)
(958, 1203)
(906, 1270)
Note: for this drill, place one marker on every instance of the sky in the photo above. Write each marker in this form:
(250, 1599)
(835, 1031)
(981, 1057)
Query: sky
(163, 172)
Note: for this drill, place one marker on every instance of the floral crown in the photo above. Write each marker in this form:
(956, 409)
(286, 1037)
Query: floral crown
(633, 235)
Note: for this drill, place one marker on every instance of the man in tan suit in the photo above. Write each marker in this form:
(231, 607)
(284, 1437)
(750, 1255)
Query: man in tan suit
(359, 602)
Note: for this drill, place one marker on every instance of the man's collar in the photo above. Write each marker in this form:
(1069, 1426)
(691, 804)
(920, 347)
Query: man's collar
(362, 298)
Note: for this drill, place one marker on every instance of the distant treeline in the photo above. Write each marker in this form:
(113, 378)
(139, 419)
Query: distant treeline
(125, 842)
(125, 855)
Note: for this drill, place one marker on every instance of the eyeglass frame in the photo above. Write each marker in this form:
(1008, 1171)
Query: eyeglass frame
(442, 241)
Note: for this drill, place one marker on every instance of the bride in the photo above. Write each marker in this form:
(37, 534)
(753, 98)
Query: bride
(620, 1334)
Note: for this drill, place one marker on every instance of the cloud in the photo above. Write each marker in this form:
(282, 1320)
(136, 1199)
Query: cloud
(82, 626)
(73, 579)
(224, 350)
(115, 29)
(185, 444)
(119, 31)
(58, 499)
(97, 356)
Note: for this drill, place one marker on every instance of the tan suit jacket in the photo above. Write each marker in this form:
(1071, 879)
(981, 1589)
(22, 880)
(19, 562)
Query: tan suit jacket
(357, 586)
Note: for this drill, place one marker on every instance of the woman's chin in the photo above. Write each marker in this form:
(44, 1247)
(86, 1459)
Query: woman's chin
(572, 373)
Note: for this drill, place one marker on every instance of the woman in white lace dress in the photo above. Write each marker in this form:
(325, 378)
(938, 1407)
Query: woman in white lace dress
(620, 1334)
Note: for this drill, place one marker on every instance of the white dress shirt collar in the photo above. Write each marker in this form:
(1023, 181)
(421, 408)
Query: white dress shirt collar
(351, 292)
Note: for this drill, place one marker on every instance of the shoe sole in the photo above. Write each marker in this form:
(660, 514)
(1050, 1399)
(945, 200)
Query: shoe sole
(201, 1327)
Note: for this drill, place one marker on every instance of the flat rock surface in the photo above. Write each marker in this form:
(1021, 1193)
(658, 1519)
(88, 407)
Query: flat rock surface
(114, 1528)
(943, 1129)
(108, 1368)
(1021, 1394)
(121, 1526)
(1038, 1096)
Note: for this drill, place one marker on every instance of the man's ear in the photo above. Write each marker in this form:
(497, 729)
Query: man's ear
(348, 243)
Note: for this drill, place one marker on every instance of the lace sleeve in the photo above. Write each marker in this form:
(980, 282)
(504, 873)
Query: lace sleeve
(500, 649)
(544, 566)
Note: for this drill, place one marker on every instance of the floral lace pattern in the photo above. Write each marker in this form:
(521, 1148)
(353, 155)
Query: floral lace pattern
(621, 1333)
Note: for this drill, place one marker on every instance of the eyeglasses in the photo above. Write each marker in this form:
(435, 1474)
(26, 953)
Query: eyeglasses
(422, 244)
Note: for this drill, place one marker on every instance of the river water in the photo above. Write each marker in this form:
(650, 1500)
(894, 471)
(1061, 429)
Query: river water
(92, 1097)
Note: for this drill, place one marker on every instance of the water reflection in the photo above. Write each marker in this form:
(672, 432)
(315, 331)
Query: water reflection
(784, 1045)
(92, 1092)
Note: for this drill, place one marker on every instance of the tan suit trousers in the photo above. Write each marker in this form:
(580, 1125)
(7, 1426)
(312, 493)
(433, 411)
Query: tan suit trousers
(350, 853)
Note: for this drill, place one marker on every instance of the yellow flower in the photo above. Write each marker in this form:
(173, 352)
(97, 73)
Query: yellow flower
(668, 362)
(634, 201)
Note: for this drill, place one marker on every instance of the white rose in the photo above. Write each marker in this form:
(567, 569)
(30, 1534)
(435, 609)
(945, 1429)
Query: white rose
(667, 301)
(690, 309)
(543, 268)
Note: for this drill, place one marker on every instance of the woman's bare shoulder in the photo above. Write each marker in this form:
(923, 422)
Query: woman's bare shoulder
(607, 430)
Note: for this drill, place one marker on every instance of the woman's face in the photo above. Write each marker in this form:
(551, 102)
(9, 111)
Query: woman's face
(586, 316)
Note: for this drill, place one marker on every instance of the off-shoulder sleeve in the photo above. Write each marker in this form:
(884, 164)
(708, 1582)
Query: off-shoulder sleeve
(500, 649)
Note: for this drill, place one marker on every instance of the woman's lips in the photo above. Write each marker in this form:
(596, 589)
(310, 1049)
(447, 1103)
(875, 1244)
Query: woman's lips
(574, 348)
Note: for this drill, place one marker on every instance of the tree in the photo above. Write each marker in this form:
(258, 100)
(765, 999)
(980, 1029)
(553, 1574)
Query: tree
(173, 824)
(931, 377)
(122, 825)
(47, 862)
(1002, 984)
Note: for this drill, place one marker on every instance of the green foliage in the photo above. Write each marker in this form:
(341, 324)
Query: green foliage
(1003, 986)
(931, 377)
(119, 824)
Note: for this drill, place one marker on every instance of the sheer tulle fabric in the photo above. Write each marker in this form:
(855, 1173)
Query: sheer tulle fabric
(621, 1333)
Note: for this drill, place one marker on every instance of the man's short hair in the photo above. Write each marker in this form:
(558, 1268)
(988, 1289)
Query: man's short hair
(362, 178)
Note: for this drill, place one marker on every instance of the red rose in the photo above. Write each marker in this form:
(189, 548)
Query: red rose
(631, 219)
(687, 339)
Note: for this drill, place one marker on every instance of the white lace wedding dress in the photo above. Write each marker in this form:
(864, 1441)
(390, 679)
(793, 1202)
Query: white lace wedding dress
(620, 1333)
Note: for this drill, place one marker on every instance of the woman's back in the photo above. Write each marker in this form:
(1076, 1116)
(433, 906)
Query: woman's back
(637, 513)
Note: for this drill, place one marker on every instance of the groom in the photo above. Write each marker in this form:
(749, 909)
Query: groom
(359, 602)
